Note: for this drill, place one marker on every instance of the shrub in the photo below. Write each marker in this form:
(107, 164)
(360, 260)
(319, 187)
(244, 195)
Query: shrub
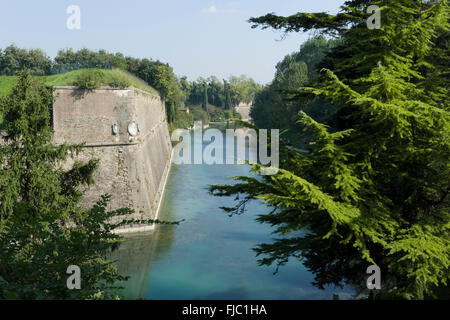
(88, 79)
(120, 83)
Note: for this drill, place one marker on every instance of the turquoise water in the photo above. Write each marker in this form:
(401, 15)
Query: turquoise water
(209, 256)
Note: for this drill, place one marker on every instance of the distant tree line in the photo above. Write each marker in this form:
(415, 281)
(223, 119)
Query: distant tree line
(176, 92)
(156, 73)
(225, 94)
(13, 60)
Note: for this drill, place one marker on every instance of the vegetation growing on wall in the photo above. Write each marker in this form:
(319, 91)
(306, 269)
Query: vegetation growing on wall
(115, 78)
(176, 92)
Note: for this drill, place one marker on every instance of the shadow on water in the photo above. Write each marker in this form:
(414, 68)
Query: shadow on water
(135, 256)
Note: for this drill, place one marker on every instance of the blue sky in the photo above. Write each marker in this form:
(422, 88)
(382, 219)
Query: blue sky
(196, 37)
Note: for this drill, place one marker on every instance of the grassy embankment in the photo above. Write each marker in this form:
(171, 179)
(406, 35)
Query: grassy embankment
(88, 78)
(94, 78)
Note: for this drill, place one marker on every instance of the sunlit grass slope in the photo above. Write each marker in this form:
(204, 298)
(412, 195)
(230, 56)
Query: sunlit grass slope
(114, 78)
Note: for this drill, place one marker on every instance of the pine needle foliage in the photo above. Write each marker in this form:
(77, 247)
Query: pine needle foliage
(43, 227)
(375, 189)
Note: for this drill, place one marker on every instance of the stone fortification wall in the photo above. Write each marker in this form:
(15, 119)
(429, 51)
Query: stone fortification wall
(133, 168)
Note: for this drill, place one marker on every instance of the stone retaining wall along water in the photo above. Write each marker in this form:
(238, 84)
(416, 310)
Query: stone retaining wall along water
(126, 129)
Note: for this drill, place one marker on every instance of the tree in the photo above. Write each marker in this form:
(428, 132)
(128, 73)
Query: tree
(155, 73)
(238, 89)
(205, 97)
(227, 95)
(375, 189)
(243, 89)
(161, 77)
(43, 228)
(215, 92)
(13, 60)
(186, 88)
(273, 108)
(292, 77)
(312, 53)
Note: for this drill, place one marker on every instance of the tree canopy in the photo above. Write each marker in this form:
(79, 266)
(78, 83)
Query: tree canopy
(374, 189)
(275, 109)
(43, 228)
(156, 73)
(175, 91)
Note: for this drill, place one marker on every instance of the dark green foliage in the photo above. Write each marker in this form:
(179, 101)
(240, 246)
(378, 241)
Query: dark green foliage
(374, 190)
(69, 60)
(43, 228)
(13, 60)
(171, 112)
(89, 79)
(216, 92)
(120, 83)
(175, 92)
(205, 98)
(186, 88)
(312, 53)
(274, 107)
(157, 74)
(199, 114)
(227, 94)
(196, 92)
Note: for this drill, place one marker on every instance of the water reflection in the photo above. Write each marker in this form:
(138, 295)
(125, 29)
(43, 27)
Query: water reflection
(209, 256)
(135, 256)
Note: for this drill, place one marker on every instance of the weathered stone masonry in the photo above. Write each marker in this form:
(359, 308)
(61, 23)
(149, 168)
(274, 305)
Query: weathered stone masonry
(133, 169)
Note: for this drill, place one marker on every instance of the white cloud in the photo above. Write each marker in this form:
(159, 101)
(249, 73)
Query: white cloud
(210, 10)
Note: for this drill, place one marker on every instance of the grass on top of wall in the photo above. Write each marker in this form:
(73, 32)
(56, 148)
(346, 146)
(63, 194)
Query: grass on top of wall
(85, 78)
(114, 78)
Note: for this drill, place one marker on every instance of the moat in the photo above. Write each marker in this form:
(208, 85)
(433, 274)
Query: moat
(209, 255)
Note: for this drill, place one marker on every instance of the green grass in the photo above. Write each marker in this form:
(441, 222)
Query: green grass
(114, 78)
(6, 84)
